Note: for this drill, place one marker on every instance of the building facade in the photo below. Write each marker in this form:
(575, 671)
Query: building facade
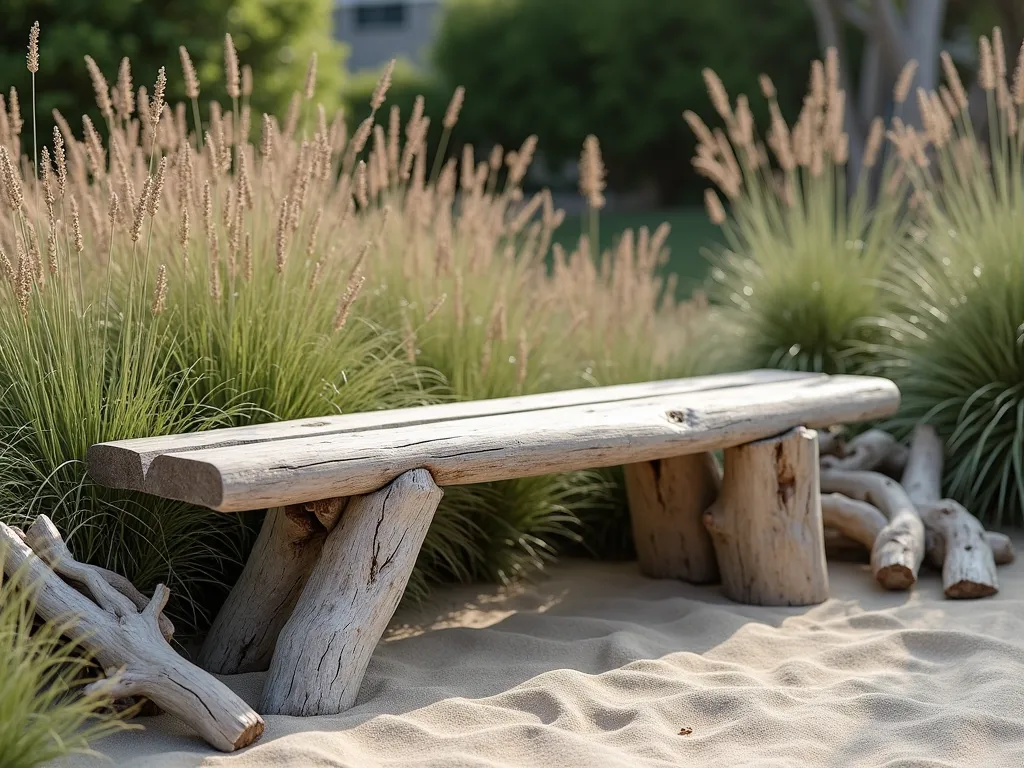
(377, 31)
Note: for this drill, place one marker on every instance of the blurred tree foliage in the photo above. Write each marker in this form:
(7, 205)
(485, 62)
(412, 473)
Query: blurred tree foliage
(274, 37)
(622, 69)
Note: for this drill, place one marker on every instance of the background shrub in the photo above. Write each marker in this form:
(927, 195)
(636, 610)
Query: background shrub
(624, 71)
(274, 37)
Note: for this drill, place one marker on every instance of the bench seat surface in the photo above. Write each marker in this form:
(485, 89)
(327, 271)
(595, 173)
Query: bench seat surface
(304, 460)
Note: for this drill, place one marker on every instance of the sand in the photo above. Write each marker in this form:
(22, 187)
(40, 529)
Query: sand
(598, 666)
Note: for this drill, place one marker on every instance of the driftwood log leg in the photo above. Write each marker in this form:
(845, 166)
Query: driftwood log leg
(126, 642)
(968, 566)
(324, 649)
(667, 500)
(245, 630)
(766, 524)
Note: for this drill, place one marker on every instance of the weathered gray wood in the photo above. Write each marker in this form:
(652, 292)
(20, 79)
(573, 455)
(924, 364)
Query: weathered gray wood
(899, 547)
(667, 501)
(969, 567)
(44, 539)
(128, 644)
(871, 450)
(1000, 543)
(351, 595)
(511, 446)
(857, 520)
(124, 463)
(766, 524)
(245, 630)
(849, 522)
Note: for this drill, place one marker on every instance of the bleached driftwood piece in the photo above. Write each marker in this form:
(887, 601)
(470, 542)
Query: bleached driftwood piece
(851, 524)
(899, 547)
(667, 501)
(969, 567)
(1000, 543)
(128, 644)
(125, 463)
(44, 539)
(871, 450)
(766, 524)
(324, 649)
(831, 442)
(526, 444)
(857, 520)
(245, 630)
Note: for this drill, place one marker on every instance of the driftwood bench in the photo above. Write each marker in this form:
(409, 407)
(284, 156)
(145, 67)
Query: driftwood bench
(350, 499)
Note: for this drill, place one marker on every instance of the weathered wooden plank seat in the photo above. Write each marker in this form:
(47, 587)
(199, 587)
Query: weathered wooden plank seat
(350, 498)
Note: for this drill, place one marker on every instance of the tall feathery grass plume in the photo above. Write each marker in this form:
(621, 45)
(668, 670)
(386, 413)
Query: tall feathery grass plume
(202, 279)
(806, 244)
(956, 341)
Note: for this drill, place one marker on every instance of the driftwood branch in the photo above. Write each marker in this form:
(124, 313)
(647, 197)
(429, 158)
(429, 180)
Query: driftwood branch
(127, 643)
(898, 550)
(44, 539)
(969, 567)
(871, 450)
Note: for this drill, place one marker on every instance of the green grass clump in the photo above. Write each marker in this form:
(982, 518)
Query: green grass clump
(800, 277)
(956, 344)
(44, 713)
(179, 277)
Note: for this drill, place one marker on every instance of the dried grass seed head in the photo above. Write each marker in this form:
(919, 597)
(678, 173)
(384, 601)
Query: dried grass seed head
(33, 48)
(310, 85)
(381, 90)
(902, 88)
(189, 71)
(232, 76)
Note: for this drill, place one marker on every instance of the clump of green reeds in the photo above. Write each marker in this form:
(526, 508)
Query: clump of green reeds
(808, 245)
(956, 344)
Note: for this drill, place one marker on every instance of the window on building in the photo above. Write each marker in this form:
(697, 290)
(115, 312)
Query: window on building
(380, 16)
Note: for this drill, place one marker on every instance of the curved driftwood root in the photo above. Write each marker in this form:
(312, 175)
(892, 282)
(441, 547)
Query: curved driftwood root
(968, 565)
(857, 520)
(44, 539)
(766, 524)
(871, 450)
(351, 595)
(899, 547)
(852, 525)
(127, 642)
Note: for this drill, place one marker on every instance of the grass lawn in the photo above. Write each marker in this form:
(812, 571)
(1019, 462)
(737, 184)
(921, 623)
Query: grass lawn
(691, 232)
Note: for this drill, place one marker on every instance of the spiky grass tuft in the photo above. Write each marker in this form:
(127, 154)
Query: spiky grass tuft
(957, 343)
(44, 714)
(800, 278)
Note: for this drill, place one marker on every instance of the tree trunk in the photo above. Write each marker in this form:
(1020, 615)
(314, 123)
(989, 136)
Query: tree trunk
(325, 647)
(667, 500)
(766, 524)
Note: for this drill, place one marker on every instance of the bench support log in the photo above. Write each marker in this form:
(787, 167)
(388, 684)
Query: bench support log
(245, 630)
(352, 593)
(766, 525)
(667, 500)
